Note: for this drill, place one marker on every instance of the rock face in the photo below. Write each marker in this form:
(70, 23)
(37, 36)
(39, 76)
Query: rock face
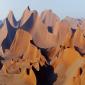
(42, 50)
(3, 34)
(49, 18)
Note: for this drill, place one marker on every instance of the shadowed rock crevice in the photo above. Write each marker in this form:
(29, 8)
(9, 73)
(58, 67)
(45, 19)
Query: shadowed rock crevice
(77, 49)
(1, 64)
(45, 76)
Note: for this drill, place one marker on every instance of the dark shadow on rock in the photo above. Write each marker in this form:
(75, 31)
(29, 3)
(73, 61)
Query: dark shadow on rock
(73, 31)
(50, 29)
(77, 49)
(44, 52)
(10, 36)
(45, 76)
(1, 65)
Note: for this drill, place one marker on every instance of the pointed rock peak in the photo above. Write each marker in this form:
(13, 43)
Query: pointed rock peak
(28, 8)
(47, 11)
(35, 13)
(27, 13)
(50, 10)
(10, 14)
(12, 19)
